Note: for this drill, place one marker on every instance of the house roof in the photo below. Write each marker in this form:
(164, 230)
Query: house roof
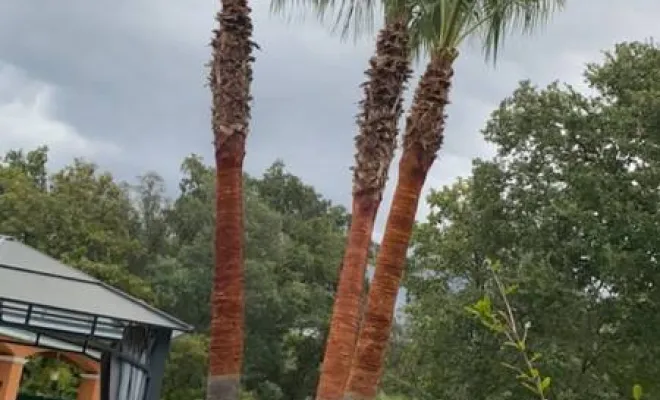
(40, 292)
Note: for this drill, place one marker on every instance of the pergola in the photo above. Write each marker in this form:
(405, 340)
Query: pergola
(48, 305)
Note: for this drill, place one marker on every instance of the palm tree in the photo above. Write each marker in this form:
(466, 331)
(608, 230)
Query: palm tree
(439, 27)
(229, 79)
(381, 108)
(380, 111)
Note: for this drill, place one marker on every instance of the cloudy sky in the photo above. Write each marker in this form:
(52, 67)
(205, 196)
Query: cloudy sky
(121, 83)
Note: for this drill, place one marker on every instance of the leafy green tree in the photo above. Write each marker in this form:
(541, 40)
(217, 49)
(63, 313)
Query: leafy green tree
(50, 377)
(92, 216)
(21, 202)
(78, 215)
(32, 165)
(185, 375)
(151, 206)
(569, 206)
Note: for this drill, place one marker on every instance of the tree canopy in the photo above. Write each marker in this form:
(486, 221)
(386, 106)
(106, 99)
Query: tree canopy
(569, 205)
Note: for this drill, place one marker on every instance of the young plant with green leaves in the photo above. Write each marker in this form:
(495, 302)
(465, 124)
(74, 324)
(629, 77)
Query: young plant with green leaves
(502, 322)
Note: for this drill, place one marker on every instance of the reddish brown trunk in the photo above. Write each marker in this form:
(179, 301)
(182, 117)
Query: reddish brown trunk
(346, 309)
(424, 133)
(375, 143)
(227, 319)
(230, 78)
(377, 324)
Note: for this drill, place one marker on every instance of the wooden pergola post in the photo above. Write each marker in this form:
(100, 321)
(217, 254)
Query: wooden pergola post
(11, 370)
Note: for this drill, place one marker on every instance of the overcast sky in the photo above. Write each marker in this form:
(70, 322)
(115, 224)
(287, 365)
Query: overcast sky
(121, 83)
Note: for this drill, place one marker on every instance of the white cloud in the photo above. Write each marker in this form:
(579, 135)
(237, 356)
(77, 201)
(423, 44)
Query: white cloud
(28, 120)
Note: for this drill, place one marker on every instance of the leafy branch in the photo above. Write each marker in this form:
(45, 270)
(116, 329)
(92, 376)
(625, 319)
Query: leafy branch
(503, 322)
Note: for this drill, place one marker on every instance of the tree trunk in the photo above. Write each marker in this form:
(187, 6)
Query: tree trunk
(375, 143)
(229, 80)
(345, 316)
(424, 134)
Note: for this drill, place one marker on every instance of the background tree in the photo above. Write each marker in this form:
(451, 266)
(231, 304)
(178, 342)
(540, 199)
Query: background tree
(569, 204)
(50, 377)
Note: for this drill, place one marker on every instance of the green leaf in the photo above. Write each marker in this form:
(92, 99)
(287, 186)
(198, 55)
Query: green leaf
(496, 266)
(511, 367)
(511, 289)
(483, 306)
(530, 387)
(472, 310)
(545, 383)
(637, 392)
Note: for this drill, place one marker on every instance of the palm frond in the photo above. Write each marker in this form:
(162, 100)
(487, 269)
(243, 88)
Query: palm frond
(350, 18)
(438, 24)
(509, 15)
(444, 24)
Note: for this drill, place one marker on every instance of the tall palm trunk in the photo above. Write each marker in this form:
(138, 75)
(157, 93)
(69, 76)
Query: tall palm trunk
(423, 138)
(230, 78)
(375, 143)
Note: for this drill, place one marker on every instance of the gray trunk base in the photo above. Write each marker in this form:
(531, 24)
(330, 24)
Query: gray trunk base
(223, 387)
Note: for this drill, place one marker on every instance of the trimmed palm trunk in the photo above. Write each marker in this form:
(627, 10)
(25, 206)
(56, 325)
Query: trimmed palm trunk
(229, 80)
(423, 138)
(381, 109)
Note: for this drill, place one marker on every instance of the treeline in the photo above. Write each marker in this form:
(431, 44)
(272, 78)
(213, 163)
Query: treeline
(160, 249)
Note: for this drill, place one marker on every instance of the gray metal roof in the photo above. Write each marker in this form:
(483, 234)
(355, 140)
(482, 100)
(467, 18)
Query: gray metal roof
(39, 291)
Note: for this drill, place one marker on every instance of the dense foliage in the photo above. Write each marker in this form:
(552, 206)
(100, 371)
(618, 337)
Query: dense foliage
(136, 238)
(569, 206)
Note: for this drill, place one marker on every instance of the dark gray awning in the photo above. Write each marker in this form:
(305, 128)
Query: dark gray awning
(46, 293)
